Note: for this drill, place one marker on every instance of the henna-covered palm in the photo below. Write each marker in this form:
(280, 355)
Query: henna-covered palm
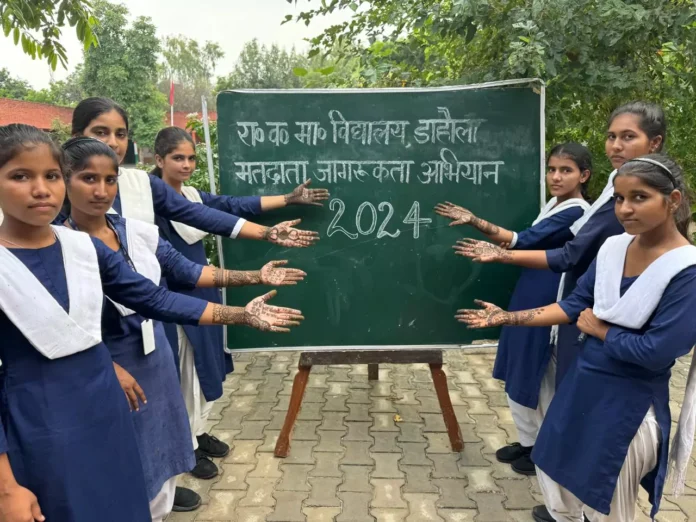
(481, 251)
(458, 215)
(284, 234)
(273, 275)
(267, 318)
(306, 196)
(489, 316)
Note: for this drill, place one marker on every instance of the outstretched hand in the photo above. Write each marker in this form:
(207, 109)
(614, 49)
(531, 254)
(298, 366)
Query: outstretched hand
(458, 215)
(273, 275)
(267, 318)
(284, 234)
(488, 316)
(480, 251)
(302, 195)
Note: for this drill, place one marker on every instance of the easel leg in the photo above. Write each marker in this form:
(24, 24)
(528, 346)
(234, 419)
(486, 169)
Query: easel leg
(298, 388)
(440, 381)
(373, 372)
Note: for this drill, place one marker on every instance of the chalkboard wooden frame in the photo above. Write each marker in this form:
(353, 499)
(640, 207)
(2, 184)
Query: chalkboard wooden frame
(532, 82)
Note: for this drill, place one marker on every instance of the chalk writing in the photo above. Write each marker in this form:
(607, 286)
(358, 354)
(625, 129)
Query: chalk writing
(250, 130)
(365, 132)
(446, 129)
(332, 171)
(310, 133)
(278, 134)
(449, 168)
(272, 172)
(413, 217)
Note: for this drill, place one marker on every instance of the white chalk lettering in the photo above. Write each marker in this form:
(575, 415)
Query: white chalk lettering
(449, 168)
(272, 172)
(331, 171)
(413, 217)
(250, 130)
(366, 132)
(310, 133)
(446, 129)
(278, 134)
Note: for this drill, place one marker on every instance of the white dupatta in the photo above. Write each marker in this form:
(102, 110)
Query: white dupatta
(189, 234)
(136, 195)
(633, 309)
(54, 332)
(142, 239)
(604, 197)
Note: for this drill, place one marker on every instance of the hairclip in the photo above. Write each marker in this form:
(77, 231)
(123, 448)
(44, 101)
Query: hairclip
(658, 164)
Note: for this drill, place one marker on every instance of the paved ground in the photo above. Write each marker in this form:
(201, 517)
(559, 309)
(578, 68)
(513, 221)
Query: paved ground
(375, 451)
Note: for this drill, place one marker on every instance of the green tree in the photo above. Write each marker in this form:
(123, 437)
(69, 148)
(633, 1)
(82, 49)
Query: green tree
(592, 54)
(67, 93)
(192, 67)
(261, 67)
(14, 88)
(38, 24)
(124, 68)
(60, 131)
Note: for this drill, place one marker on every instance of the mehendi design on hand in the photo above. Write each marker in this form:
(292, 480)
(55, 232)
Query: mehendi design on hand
(284, 234)
(302, 195)
(481, 251)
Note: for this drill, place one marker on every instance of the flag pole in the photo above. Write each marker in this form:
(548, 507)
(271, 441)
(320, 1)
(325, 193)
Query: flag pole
(171, 100)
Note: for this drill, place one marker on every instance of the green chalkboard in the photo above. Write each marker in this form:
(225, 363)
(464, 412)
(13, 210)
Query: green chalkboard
(384, 272)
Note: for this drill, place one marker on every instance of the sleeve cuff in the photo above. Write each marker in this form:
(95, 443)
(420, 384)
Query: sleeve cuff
(554, 259)
(569, 311)
(237, 228)
(513, 243)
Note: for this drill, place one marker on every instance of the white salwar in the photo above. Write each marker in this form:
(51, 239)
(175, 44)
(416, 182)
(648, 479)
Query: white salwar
(527, 420)
(641, 459)
(197, 407)
(163, 503)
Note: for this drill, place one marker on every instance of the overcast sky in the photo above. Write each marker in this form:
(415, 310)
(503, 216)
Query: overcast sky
(231, 23)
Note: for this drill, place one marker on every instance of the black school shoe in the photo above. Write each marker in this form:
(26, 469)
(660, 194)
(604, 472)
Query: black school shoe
(186, 500)
(541, 514)
(205, 468)
(511, 453)
(524, 466)
(212, 446)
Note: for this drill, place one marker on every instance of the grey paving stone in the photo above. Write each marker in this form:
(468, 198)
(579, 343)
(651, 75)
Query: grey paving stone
(301, 452)
(294, 477)
(358, 431)
(314, 395)
(382, 405)
(330, 442)
(252, 430)
(411, 432)
(359, 413)
(434, 422)
(453, 494)
(472, 455)
(269, 441)
(259, 494)
(233, 476)
(357, 454)
(385, 442)
(422, 507)
(261, 412)
(288, 507)
(414, 454)
(267, 467)
(338, 374)
(333, 421)
(384, 422)
(418, 480)
(490, 507)
(387, 494)
(409, 412)
(386, 466)
(305, 430)
(359, 396)
(356, 507)
(324, 492)
(356, 479)
(446, 465)
(311, 411)
(381, 389)
(337, 403)
(517, 493)
(327, 465)
(242, 452)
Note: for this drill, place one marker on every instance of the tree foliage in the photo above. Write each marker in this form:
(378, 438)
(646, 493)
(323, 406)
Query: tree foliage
(38, 23)
(192, 67)
(124, 68)
(66, 92)
(592, 54)
(261, 67)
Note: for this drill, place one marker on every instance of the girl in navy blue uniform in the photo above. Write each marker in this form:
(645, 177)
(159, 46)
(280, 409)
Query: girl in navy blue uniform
(634, 306)
(200, 349)
(524, 354)
(634, 129)
(142, 357)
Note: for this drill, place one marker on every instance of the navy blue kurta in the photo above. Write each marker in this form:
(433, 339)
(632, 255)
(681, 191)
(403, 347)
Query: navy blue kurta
(524, 352)
(162, 427)
(212, 363)
(66, 424)
(574, 258)
(606, 394)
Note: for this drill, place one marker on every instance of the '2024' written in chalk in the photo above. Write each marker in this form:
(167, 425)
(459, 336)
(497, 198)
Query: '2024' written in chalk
(412, 218)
